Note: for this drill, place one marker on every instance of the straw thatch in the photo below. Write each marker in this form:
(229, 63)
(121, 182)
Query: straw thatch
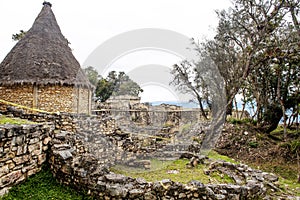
(42, 56)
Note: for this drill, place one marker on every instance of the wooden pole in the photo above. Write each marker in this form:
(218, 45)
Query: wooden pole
(35, 96)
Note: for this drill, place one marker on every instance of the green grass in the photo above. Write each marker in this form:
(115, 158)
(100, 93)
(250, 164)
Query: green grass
(280, 129)
(185, 128)
(16, 121)
(290, 186)
(161, 170)
(233, 120)
(215, 156)
(42, 186)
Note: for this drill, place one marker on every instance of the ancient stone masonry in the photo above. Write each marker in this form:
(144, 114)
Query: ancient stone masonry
(85, 171)
(82, 149)
(23, 150)
(51, 98)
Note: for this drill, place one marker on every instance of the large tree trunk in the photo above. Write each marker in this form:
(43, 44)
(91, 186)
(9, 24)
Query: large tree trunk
(271, 118)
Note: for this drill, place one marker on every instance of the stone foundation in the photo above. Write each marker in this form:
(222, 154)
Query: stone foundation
(51, 98)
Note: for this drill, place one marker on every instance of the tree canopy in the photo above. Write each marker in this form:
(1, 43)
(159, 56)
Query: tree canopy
(256, 49)
(115, 84)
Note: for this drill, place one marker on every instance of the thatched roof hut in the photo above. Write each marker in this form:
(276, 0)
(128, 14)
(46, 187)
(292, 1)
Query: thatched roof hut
(43, 60)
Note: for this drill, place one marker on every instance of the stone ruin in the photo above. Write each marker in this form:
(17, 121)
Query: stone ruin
(80, 150)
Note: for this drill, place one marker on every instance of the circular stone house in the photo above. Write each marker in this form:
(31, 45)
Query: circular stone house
(41, 72)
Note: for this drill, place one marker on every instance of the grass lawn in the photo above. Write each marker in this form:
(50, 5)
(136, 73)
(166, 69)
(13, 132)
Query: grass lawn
(42, 186)
(9, 120)
(177, 171)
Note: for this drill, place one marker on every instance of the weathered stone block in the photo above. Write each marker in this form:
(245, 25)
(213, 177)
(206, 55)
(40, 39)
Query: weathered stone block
(21, 150)
(150, 196)
(116, 178)
(34, 147)
(4, 170)
(182, 196)
(47, 140)
(34, 140)
(30, 167)
(10, 164)
(41, 159)
(10, 178)
(136, 193)
(117, 191)
(20, 139)
(4, 191)
(21, 159)
(33, 171)
(64, 154)
(66, 169)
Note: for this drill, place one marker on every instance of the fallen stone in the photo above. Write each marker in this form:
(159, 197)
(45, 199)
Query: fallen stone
(116, 178)
(64, 154)
(135, 193)
(270, 177)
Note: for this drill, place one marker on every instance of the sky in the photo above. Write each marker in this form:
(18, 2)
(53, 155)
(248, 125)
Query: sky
(88, 24)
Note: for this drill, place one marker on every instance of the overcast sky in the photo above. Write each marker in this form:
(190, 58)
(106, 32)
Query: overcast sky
(87, 24)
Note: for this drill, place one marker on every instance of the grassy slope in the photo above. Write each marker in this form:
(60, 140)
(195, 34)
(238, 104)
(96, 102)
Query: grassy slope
(271, 152)
(42, 186)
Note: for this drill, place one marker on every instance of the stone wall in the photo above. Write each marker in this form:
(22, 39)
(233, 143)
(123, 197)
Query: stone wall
(122, 101)
(82, 149)
(19, 94)
(143, 114)
(51, 98)
(23, 150)
(84, 170)
(56, 98)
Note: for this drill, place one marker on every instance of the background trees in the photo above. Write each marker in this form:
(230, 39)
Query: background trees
(115, 84)
(188, 80)
(256, 49)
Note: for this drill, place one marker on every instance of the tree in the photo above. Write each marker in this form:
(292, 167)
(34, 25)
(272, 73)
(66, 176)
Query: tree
(188, 80)
(241, 33)
(250, 37)
(116, 84)
(19, 36)
(280, 76)
(104, 89)
(92, 75)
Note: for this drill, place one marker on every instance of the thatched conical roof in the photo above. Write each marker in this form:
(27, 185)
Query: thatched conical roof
(42, 56)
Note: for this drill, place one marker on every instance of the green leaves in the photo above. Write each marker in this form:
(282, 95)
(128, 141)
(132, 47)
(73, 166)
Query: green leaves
(19, 36)
(116, 84)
